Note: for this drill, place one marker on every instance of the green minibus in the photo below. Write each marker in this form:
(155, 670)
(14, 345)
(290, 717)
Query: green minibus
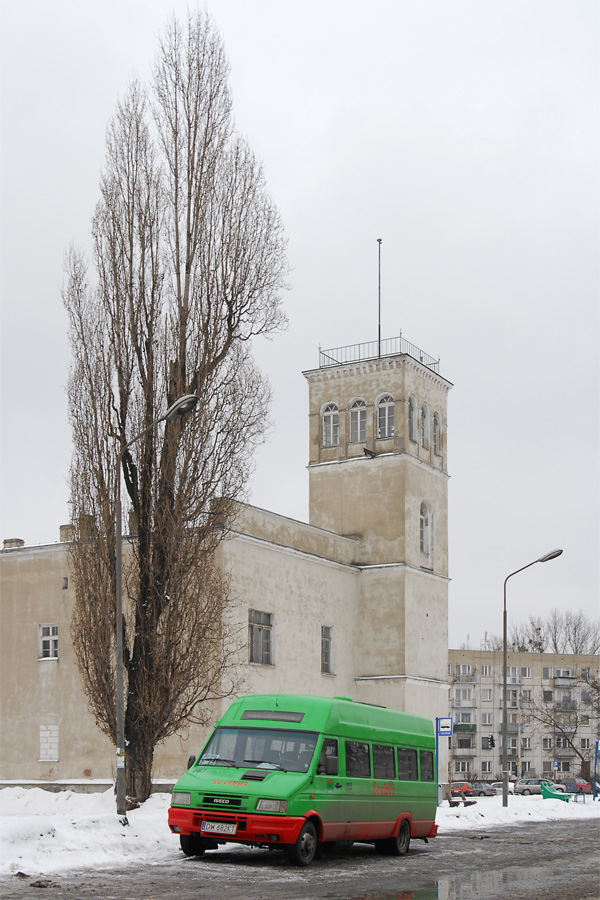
(296, 773)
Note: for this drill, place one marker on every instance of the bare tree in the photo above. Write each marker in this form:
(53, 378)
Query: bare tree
(568, 632)
(189, 259)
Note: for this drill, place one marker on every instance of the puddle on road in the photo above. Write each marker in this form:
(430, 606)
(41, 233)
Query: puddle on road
(471, 885)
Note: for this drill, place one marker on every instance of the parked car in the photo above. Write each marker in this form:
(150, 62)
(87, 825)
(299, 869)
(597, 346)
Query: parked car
(528, 786)
(483, 790)
(497, 785)
(575, 785)
(461, 787)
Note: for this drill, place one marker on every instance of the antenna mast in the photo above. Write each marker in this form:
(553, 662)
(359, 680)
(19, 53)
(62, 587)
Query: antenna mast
(379, 318)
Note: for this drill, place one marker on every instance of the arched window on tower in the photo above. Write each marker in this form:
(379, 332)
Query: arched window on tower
(412, 419)
(331, 425)
(358, 422)
(385, 417)
(425, 427)
(437, 434)
(425, 529)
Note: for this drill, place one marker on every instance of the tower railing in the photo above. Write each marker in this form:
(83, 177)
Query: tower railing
(339, 356)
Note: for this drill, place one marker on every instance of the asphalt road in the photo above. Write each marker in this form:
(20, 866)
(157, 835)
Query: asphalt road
(549, 861)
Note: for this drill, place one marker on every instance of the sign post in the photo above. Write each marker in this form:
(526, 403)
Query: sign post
(443, 728)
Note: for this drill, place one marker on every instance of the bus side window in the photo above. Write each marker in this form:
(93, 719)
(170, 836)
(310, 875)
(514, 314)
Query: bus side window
(426, 758)
(358, 763)
(328, 761)
(407, 765)
(383, 762)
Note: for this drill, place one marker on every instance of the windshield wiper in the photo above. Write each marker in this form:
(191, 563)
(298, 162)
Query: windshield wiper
(216, 761)
(264, 762)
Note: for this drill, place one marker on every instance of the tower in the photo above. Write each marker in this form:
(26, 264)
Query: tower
(378, 472)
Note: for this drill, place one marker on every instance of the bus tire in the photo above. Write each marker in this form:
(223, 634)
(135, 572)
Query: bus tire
(192, 844)
(397, 845)
(303, 851)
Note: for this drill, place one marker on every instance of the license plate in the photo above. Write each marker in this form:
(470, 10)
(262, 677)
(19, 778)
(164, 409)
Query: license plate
(219, 827)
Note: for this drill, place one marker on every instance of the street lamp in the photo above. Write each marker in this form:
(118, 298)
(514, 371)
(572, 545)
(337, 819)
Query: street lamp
(552, 555)
(175, 411)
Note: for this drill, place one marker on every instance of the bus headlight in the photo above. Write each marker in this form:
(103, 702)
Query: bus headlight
(180, 799)
(277, 806)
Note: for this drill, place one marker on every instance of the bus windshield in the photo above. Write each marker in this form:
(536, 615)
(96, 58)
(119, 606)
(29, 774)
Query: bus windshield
(260, 748)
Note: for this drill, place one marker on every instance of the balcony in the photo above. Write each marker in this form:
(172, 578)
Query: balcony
(465, 728)
(565, 681)
(464, 679)
(464, 752)
(566, 704)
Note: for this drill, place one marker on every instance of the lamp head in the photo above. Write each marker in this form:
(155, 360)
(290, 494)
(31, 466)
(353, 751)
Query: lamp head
(181, 407)
(548, 556)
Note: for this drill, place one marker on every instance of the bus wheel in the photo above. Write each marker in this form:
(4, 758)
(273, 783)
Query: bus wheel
(303, 851)
(192, 844)
(398, 845)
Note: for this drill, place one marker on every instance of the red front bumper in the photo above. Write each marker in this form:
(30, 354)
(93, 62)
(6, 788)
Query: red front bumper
(251, 828)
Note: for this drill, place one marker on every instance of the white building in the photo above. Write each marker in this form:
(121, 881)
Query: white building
(353, 603)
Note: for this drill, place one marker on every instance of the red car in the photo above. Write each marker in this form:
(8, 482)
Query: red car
(576, 786)
(462, 787)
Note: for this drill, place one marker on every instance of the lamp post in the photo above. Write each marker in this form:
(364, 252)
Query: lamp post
(552, 555)
(176, 410)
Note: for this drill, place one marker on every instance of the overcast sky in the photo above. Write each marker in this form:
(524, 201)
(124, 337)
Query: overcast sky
(465, 136)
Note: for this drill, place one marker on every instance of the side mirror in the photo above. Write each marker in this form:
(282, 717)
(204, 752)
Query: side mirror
(191, 761)
(331, 765)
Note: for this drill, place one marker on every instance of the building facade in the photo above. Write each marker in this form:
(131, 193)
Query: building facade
(552, 715)
(354, 603)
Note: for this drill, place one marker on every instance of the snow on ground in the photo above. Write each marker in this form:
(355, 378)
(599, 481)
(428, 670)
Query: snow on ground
(43, 832)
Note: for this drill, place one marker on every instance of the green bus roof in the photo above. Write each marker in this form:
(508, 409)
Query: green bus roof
(329, 715)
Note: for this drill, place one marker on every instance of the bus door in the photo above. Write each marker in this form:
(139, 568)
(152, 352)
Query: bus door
(328, 791)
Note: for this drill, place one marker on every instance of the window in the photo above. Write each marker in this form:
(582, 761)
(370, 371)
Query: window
(563, 765)
(486, 718)
(385, 417)
(563, 673)
(464, 743)
(358, 764)
(331, 426)
(407, 764)
(412, 419)
(425, 426)
(358, 422)
(526, 743)
(585, 743)
(525, 671)
(562, 743)
(425, 529)
(486, 766)
(260, 628)
(547, 743)
(511, 674)
(486, 671)
(526, 766)
(48, 743)
(486, 693)
(384, 765)
(326, 649)
(462, 766)
(586, 674)
(586, 697)
(463, 669)
(437, 434)
(585, 720)
(547, 696)
(547, 672)
(526, 695)
(47, 641)
(462, 695)
(426, 760)
(463, 718)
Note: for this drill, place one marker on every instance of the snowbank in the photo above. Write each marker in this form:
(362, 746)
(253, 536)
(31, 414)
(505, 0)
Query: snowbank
(43, 832)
